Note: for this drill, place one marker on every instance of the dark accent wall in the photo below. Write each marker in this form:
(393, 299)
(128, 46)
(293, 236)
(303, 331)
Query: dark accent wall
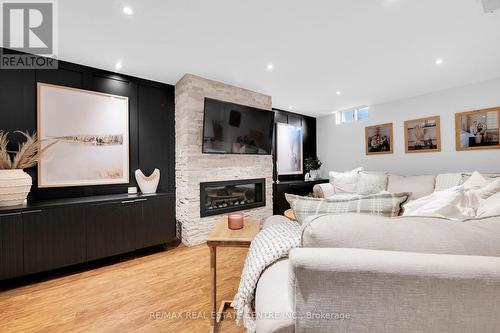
(151, 120)
(308, 125)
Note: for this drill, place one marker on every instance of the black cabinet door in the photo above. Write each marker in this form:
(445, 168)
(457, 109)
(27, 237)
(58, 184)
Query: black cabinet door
(157, 225)
(11, 246)
(53, 238)
(111, 228)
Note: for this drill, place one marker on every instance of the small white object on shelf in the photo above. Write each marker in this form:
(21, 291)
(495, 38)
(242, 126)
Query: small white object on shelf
(307, 177)
(147, 184)
(132, 190)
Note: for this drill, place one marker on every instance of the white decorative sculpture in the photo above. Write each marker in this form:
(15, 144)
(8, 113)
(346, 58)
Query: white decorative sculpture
(147, 184)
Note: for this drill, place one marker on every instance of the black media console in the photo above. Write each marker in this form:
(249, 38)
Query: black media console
(51, 234)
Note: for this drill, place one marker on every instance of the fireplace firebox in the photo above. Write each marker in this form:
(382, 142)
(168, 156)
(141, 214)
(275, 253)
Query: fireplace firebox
(230, 196)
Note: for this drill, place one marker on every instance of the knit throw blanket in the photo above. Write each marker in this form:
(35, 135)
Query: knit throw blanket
(270, 245)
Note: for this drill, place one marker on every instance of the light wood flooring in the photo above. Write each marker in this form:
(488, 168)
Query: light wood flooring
(129, 296)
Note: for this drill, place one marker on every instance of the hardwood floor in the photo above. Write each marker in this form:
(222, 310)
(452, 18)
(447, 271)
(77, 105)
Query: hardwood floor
(130, 296)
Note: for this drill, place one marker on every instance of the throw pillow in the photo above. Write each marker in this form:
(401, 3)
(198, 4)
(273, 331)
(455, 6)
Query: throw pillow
(490, 206)
(419, 186)
(476, 180)
(487, 191)
(345, 182)
(371, 183)
(385, 204)
(445, 181)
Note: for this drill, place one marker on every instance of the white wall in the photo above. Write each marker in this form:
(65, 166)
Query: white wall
(341, 147)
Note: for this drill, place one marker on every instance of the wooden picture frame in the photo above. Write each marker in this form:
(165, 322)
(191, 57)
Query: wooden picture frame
(89, 133)
(428, 140)
(387, 134)
(477, 130)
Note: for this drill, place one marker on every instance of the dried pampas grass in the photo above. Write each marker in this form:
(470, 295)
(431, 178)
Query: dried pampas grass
(5, 162)
(28, 154)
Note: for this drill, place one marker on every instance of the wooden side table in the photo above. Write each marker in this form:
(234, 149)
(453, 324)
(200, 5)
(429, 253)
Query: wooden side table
(290, 214)
(222, 236)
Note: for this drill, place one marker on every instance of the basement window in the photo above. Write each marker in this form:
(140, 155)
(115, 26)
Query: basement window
(352, 115)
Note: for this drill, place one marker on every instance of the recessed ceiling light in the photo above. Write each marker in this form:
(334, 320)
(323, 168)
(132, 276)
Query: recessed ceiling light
(118, 65)
(338, 92)
(270, 67)
(439, 61)
(128, 11)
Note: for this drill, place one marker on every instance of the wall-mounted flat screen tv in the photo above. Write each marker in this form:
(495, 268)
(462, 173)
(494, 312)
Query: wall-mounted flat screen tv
(230, 128)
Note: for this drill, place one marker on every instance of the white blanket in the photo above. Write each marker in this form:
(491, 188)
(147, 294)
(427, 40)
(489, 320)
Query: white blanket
(456, 203)
(270, 245)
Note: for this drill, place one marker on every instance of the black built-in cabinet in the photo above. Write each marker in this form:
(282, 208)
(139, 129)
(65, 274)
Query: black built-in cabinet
(52, 234)
(68, 225)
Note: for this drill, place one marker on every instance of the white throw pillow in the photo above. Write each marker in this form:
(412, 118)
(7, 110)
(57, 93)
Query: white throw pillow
(371, 183)
(345, 182)
(455, 203)
(490, 206)
(475, 181)
(487, 191)
(445, 181)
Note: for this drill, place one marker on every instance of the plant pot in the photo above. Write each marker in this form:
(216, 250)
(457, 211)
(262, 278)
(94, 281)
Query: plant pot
(314, 174)
(15, 185)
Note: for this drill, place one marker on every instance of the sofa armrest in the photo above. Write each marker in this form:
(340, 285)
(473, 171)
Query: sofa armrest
(323, 190)
(356, 290)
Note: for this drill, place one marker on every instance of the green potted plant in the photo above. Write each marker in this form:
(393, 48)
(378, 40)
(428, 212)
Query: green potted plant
(312, 165)
(15, 184)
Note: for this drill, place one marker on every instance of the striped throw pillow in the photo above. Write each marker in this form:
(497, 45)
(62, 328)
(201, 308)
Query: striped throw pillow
(384, 204)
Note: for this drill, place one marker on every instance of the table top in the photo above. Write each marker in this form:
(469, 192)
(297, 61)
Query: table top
(290, 214)
(221, 235)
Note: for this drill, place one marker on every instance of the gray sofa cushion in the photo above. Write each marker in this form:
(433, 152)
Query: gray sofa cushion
(414, 234)
(419, 186)
(273, 306)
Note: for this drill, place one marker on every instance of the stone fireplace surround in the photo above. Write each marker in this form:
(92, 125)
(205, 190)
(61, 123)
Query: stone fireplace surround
(193, 167)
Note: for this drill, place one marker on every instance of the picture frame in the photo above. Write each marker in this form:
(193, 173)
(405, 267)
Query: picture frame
(423, 135)
(478, 129)
(89, 136)
(379, 139)
(289, 150)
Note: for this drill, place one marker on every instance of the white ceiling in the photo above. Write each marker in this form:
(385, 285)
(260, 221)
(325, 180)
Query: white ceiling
(373, 51)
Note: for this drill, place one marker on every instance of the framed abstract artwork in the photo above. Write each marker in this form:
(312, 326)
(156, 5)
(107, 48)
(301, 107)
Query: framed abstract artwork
(89, 133)
(379, 139)
(423, 135)
(289, 159)
(479, 129)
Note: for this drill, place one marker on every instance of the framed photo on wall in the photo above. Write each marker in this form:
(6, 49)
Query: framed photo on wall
(379, 139)
(423, 135)
(477, 129)
(90, 136)
(289, 159)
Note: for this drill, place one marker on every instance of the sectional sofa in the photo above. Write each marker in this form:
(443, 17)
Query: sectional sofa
(363, 273)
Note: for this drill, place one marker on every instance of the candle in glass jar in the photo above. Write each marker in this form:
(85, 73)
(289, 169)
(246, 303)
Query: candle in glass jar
(235, 221)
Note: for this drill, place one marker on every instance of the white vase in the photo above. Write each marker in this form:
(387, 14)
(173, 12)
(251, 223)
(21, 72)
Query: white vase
(15, 185)
(147, 184)
(314, 174)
